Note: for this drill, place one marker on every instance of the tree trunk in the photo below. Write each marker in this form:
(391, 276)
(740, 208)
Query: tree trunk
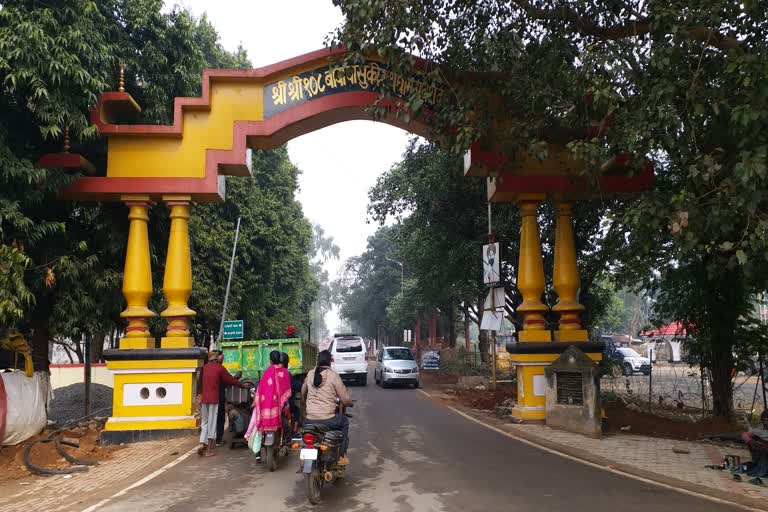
(721, 368)
(483, 346)
(467, 342)
(41, 338)
(78, 348)
(451, 326)
(97, 348)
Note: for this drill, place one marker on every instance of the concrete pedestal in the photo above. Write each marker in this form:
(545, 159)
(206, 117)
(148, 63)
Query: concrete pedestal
(154, 392)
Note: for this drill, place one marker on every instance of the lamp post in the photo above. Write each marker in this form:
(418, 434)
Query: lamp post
(402, 275)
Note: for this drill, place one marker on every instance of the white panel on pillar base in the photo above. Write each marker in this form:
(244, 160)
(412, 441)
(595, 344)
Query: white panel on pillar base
(539, 385)
(165, 393)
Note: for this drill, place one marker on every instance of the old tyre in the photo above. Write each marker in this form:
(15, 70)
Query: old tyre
(364, 380)
(313, 486)
(627, 370)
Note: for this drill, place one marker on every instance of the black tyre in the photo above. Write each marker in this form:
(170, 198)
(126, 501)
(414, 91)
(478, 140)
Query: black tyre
(627, 370)
(384, 384)
(313, 486)
(364, 380)
(416, 385)
(269, 457)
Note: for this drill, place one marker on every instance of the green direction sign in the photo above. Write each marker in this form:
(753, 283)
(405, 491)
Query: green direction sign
(233, 330)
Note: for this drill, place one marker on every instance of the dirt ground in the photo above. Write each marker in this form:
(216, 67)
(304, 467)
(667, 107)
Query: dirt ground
(619, 417)
(435, 378)
(486, 399)
(12, 465)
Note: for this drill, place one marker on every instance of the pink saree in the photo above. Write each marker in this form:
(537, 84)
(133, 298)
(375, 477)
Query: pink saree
(273, 392)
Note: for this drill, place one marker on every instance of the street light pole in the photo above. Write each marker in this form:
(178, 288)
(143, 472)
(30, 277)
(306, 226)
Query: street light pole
(402, 274)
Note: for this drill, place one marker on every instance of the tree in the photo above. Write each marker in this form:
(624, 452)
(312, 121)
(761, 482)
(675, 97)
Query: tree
(323, 249)
(677, 82)
(61, 262)
(368, 285)
(272, 283)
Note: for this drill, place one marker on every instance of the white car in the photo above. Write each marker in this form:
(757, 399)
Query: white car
(632, 362)
(349, 358)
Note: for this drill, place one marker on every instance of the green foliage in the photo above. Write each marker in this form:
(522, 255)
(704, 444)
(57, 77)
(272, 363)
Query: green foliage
(61, 263)
(679, 82)
(272, 283)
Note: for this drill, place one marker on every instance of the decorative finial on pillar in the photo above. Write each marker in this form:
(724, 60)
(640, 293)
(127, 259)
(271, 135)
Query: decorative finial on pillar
(121, 88)
(66, 140)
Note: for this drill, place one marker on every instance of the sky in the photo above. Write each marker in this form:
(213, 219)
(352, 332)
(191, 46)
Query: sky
(340, 163)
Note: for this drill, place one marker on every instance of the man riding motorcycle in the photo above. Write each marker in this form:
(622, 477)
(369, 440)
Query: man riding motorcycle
(321, 389)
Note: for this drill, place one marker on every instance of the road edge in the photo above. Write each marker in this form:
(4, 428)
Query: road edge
(590, 459)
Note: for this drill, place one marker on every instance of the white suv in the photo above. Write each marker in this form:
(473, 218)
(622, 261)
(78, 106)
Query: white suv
(350, 358)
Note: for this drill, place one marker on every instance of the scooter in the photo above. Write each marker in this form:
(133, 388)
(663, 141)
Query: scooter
(319, 457)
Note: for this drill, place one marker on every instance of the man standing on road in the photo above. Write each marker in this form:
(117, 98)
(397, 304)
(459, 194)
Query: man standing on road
(320, 390)
(214, 377)
(222, 404)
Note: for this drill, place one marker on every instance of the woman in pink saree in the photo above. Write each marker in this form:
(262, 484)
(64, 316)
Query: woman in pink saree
(271, 396)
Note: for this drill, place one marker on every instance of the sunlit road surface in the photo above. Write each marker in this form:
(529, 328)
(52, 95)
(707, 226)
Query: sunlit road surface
(408, 453)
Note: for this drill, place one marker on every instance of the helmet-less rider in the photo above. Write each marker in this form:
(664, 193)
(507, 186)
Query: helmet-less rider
(320, 390)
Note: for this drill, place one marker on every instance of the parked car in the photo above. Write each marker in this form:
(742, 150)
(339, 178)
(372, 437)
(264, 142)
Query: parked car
(349, 358)
(396, 365)
(631, 362)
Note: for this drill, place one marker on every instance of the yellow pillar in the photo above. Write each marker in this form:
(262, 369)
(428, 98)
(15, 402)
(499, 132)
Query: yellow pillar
(137, 276)
(177, 281)
(530, 276)
(566, 279)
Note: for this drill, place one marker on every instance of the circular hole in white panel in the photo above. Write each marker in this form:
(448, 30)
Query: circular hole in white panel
(144, 393)
(160, 392)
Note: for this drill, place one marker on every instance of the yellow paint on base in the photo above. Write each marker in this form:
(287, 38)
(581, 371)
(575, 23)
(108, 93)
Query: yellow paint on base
(526, 399)
(150, 425)
(119, 410)
(187, 342)
(547, 358)
(574, 336)
(154, 364)
(534, 335)
(527, 415)
(136, 343)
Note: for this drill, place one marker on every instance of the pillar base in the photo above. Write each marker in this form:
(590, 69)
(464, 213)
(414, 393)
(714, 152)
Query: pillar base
(529, 414)
(572, 336)
(177, 342)
(535, 335)
(136, 343)
(117, 437)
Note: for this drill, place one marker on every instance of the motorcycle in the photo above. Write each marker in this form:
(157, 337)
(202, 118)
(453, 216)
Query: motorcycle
(319, 457)
(277, 443)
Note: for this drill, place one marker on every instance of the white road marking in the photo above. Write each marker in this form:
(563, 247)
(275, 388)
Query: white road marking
(144, 480)
(592, 464)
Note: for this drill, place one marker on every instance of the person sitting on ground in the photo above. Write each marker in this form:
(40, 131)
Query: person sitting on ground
(214, 375)
(757, 442)
(320, 390)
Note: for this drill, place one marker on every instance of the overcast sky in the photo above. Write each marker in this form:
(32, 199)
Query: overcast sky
(339, 163)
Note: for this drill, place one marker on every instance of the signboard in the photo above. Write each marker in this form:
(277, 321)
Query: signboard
(339, 78)
(491, 265)
(233, 330)
(430, 360)
(493, 309)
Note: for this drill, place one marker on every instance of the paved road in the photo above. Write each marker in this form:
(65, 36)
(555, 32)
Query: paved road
(409, 454)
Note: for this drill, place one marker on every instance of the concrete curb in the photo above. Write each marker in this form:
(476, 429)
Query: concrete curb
(597, 460)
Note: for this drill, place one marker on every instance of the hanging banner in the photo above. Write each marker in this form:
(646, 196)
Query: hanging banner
(491, 265)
